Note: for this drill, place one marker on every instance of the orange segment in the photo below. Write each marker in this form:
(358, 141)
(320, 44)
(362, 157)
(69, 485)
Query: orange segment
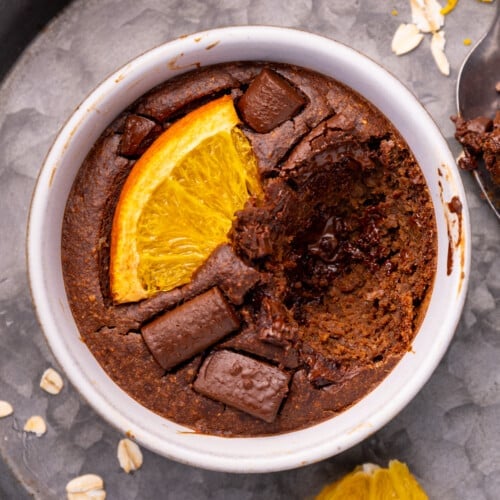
(371, 482)
(179, 200)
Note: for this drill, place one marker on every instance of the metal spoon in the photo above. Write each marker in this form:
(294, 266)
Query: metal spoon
(476, 95)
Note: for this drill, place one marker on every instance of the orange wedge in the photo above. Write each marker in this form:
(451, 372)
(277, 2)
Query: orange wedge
(179, 201)
(371, 482)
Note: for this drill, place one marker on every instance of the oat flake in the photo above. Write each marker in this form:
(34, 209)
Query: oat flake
(51, 381)
(36, 425)
(437, 48)
(406, 38)
(5, 409)
(86, 487)
(426, 14)
(129, 455)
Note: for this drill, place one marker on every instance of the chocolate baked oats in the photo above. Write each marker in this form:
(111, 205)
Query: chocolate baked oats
(320, 287)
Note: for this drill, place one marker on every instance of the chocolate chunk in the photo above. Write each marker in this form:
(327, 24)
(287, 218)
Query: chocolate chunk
(269, 101)
(170, 97)
(187, 330)
(248, 341)
(243, 383)
(224, 269)
(138, 135)
(271, 148)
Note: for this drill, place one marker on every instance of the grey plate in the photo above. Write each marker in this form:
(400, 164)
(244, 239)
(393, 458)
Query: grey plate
(448, 434)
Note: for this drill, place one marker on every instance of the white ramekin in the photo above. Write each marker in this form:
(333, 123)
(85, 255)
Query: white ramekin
(258, 454)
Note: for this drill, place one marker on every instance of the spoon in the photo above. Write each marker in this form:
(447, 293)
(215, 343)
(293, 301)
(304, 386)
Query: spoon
(477, 96)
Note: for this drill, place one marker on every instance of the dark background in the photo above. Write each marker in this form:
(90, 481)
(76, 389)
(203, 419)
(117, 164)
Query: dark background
(20, 21)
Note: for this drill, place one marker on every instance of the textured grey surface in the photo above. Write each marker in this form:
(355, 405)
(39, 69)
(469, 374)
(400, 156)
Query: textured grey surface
(449, 435)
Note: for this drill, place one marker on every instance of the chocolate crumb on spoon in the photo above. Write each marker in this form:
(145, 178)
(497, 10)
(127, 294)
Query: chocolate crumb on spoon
(478, 100)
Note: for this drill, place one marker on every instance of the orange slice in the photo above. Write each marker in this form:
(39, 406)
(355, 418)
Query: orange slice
(371, 482)
(179, 201)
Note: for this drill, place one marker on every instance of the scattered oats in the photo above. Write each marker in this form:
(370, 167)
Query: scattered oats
(5, 409)
(426, 14)
(51, 381)
(129, 455)
(86, 487)
(406, 38)
(467, 41)
(437, 48)
(36, 425)
(394, 12)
